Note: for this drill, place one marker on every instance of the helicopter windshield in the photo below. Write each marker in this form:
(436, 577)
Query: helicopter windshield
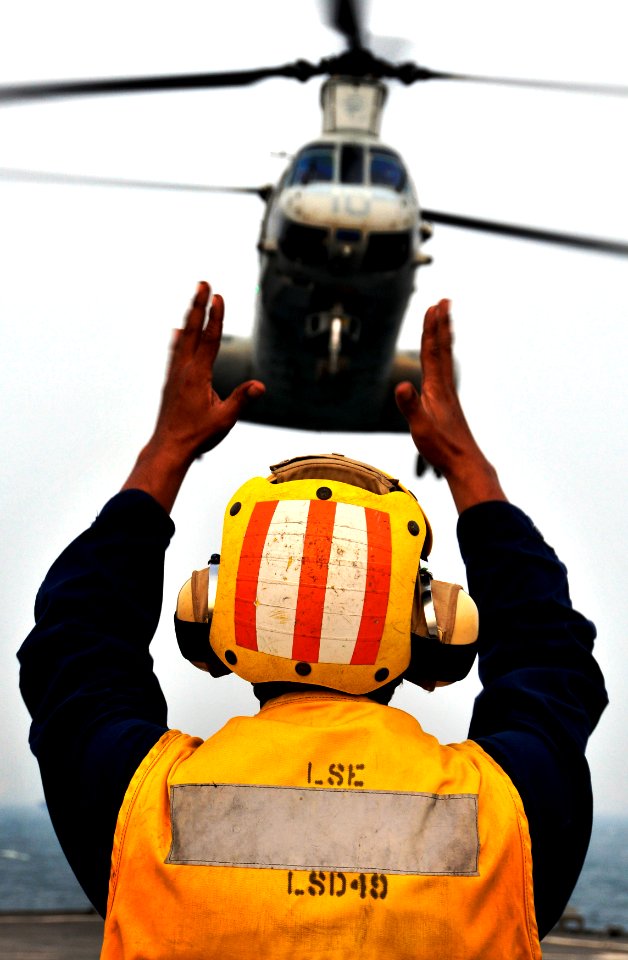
(313, 165)
(387, 170)
(317, 164)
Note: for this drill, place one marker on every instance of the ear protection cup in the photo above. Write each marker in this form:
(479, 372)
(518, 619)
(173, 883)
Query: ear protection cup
(443, 632)
(192, 619)
(193, 640)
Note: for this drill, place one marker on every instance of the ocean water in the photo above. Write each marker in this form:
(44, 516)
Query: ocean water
(601, 894)
(35, 876)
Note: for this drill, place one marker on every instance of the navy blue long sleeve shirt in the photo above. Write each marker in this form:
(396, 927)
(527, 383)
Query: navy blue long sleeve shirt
(97, 708)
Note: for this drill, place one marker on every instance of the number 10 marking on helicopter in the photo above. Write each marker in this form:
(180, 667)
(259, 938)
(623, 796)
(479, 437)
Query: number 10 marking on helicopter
(352, 204)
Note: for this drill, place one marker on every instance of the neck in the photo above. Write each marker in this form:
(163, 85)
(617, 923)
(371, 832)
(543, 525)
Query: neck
(269, 691)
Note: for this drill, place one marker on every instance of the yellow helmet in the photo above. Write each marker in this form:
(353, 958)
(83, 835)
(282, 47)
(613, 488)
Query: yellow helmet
(318, 581)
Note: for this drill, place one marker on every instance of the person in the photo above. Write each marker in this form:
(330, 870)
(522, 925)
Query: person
(330, 824)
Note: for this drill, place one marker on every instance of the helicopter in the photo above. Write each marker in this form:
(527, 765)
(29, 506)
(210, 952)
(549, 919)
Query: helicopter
(340, 244)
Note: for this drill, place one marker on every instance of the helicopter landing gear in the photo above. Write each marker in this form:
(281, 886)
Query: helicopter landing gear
(335, 343)
(339, 330)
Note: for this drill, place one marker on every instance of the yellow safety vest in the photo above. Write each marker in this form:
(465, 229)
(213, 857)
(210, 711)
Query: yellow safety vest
(327, 826)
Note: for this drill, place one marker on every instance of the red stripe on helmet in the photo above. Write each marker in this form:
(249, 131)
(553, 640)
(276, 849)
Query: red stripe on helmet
(313, 581)
(377, 587)
(248, 574)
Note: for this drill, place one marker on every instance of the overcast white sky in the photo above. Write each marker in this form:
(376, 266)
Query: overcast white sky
(93, 280)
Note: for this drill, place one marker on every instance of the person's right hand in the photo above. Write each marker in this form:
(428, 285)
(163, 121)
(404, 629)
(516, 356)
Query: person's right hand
(436, 420)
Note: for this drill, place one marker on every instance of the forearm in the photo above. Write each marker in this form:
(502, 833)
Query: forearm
(473, 480)
(159, 471)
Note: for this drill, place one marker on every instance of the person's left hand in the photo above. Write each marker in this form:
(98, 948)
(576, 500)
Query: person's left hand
(192, 418)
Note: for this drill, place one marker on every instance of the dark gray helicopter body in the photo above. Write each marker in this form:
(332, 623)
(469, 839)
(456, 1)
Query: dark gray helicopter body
(339, 248)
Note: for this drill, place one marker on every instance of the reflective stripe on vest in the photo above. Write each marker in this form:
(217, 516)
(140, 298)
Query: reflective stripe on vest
(378, 831)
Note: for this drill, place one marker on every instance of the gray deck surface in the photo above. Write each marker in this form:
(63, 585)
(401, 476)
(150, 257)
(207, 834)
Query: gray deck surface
(50, 936)
(42, 936)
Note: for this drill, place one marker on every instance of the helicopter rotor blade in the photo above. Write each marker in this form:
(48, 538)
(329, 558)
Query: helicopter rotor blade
(56, 89)
(346, 17)
(598, 244)
(411, 73)
(44, 176)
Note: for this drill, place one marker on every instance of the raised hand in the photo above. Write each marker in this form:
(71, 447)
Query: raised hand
(192, 417)
(436, 420)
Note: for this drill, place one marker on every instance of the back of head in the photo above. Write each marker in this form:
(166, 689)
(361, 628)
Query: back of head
(320, 583)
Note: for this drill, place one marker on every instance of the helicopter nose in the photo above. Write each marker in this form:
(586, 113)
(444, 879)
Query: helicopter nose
(349, 208)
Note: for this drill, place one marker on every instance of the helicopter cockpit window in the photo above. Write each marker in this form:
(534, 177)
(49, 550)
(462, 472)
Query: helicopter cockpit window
(314, 165)
(351, 164)
(387, 171)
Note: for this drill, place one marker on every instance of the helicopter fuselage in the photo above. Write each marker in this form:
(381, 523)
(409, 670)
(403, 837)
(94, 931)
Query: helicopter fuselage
(339, 246)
